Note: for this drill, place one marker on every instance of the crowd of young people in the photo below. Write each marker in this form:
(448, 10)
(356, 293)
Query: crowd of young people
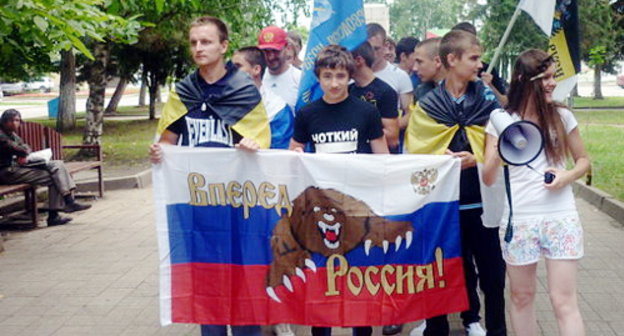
(432, 101)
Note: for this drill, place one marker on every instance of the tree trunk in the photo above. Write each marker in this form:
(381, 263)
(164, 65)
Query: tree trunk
(575, 91)
(97, 91)
(143, 90)
(153, 89)
(66, 118)
(158, 94)
(111, 109)
(597, 86)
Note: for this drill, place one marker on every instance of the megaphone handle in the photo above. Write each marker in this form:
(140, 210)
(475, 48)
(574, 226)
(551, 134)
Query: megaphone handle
(548, 176)
(509, 230)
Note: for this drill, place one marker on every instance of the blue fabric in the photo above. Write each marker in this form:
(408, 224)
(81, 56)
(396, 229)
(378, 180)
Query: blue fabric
(196, 234)
(282, 128)
(333, 22)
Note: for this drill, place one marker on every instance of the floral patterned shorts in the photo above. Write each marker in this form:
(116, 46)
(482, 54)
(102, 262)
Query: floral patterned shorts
(556, 236)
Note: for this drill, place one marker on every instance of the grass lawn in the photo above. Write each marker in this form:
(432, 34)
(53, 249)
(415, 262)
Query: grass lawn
(124, 142)
(612, 117)
(591, 102)
(605, 147)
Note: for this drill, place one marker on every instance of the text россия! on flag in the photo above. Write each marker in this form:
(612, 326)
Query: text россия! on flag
(312, 239)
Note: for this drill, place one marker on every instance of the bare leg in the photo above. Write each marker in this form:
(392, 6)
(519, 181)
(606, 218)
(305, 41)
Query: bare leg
(562, 290)
(522, 283)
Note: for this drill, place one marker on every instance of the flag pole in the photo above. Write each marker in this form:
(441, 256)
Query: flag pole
(499, 49)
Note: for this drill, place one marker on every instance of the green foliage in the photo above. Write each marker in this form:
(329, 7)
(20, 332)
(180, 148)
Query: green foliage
(597, 55)
(27, 48)
(601, 33)
(163, 47)
(524, 35)
(414, 18)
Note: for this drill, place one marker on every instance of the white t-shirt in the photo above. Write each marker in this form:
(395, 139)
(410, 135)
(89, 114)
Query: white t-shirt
(395, 77)
(273, 103)
(286, 84)
(529, 197)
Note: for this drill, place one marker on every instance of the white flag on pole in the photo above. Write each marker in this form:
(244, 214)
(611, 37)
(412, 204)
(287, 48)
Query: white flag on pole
(542, 12)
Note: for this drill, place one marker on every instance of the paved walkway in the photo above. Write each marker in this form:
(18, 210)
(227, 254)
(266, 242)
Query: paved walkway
(98, 275)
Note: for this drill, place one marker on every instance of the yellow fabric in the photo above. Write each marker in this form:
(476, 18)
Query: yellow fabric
(424, 135)
(558, 47)
(173, 110)
(255, 125)
(476, 137)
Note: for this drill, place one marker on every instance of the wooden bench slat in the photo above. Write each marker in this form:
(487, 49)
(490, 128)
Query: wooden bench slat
(8, 189)
(77, 166)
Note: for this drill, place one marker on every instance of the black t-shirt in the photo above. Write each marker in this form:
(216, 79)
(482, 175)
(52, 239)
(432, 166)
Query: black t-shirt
(201, 126)
(345, 127)
(380, 94)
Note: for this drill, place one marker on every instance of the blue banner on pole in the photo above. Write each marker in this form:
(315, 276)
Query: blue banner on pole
(333, 22)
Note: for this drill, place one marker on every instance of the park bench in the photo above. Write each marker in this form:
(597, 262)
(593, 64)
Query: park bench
(30, 198)
(40, 137)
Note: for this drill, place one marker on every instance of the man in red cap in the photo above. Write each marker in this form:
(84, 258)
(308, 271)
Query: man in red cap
(282, 77)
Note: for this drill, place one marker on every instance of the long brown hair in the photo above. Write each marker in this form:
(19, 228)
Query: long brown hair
(525, 89)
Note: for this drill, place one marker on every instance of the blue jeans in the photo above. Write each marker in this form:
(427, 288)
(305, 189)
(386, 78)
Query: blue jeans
(221, 330)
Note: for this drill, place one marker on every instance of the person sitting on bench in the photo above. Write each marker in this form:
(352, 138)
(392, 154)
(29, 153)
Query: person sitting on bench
(15, 169)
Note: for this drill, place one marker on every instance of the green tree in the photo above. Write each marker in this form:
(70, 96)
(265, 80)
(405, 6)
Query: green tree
(33, 32)
(162, 46)
(114, 28)
(599, 43)
(414, 18)
(525, 34)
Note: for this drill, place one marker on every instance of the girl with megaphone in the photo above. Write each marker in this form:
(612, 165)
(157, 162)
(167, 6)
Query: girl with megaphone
(545, 220)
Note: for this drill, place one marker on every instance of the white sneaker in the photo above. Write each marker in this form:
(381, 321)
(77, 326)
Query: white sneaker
(420, 330)
(475, 329)
(283, 329)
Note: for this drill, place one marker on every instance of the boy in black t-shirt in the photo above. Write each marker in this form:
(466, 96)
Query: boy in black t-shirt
(371, 89)
(338, 122)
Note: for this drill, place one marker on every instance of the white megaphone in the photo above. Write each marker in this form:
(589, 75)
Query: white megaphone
(519, 141)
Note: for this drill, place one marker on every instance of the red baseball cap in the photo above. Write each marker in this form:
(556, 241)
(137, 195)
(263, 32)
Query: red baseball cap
(272, 37)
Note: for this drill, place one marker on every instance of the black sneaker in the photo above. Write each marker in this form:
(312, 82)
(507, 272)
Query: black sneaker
(58, 220)
(392, 329)
(73, 207)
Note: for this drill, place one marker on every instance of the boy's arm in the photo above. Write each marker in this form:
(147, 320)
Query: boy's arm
(379, 146)
(391, 131)
(487, 79)
(296, 146)
(155, 151)
(405, 100)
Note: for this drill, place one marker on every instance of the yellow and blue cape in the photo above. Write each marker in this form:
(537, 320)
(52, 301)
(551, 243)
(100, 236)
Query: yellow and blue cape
(239, 105)
(437, 119)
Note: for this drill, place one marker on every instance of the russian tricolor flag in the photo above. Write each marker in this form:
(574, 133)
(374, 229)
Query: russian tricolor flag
(314, 239)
